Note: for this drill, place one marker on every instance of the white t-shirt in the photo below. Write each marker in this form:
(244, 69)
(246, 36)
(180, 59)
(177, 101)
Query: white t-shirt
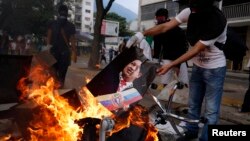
(212, 56)
(146, 49)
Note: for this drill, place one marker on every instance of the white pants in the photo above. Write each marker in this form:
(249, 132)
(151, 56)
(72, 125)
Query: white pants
(170, 75)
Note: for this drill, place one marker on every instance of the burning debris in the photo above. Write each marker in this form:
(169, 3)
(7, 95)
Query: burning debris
(44, 113)
(52, 116)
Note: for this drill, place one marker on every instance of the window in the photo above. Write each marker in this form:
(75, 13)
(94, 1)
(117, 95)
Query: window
(87, 18)
(78, 26)
(88, 3)
(78, 18)
(87, 11)
(87, 26)
(79, 1)
(78, 10)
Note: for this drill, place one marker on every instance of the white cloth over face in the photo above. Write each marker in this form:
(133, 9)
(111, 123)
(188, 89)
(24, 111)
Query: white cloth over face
(146, 49)
(135, 40)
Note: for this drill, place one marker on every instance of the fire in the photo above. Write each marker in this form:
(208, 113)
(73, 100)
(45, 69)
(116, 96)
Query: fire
(5, 137)
(138, 116)
(55, 119)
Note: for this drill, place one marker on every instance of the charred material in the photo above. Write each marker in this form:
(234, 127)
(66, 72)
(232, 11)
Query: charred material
(13, 68)
(89, 128)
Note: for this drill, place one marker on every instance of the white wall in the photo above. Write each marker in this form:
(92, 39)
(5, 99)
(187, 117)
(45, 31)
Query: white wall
(145, 2)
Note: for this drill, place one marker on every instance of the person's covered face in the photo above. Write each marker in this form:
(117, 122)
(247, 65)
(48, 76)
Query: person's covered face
(160, 19)
(132, 71)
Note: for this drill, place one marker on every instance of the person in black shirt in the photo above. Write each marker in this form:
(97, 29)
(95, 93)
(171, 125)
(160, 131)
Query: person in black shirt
(61, 39)
(169, 46)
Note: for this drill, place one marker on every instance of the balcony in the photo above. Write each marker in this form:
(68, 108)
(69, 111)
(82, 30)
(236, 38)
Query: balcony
(237, 15)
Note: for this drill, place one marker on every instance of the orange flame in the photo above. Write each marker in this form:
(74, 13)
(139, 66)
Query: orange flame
(54, 118)
(138, 116)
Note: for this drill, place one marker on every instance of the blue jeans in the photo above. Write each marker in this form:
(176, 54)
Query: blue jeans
(208, 84)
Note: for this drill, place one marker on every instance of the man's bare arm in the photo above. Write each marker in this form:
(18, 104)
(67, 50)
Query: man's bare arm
(158, 29)
(188, 55)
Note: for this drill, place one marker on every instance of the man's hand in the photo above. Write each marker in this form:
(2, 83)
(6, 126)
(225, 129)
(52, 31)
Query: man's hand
(164, 69)
(136, 39)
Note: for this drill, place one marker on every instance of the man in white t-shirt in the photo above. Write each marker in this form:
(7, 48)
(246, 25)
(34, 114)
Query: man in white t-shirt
(206, 31)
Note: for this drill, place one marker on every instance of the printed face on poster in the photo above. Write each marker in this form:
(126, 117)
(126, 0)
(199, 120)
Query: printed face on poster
(124, 81)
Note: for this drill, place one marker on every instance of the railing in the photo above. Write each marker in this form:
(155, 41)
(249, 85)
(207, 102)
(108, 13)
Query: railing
(237, 11)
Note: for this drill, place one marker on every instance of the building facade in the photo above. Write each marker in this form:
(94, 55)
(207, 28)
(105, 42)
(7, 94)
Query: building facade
(84, 15)
(236, 11)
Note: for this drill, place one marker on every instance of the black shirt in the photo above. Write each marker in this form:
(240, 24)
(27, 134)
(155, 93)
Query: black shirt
(170, 45)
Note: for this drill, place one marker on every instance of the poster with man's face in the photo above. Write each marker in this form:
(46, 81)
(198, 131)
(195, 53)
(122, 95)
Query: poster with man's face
(124, 81)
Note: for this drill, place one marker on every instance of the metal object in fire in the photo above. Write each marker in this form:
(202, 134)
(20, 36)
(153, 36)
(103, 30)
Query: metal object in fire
(107, 124)
(166, 115)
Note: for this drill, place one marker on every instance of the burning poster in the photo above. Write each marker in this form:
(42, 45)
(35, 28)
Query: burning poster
(124, 81)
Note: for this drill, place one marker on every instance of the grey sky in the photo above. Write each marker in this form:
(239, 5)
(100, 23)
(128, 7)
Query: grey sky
(130, 4)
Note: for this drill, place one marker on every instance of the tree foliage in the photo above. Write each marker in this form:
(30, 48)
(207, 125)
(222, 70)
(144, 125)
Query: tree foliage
(28, 16)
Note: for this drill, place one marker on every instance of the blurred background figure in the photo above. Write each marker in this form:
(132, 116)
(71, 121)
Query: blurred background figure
(4, 41)
(20, 45)
(111, 54)
(103, 53)
(122, 45)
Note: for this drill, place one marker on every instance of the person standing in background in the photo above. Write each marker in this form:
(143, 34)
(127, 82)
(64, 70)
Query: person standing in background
(111, 54)
(168, 46)
(103, 52)
(4, 42)
(61, 42)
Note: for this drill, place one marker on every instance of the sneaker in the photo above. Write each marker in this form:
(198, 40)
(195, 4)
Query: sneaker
(187, 137)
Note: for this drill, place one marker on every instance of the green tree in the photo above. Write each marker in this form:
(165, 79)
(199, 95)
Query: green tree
(101, 13)
(28, 16)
